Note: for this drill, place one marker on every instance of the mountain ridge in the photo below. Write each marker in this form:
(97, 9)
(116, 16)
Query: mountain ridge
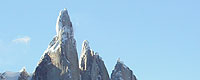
(60, 60)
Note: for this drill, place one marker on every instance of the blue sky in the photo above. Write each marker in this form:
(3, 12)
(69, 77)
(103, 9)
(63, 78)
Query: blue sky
(157, 39)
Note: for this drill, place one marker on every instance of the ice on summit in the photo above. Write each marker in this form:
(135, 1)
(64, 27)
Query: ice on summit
(64, 28)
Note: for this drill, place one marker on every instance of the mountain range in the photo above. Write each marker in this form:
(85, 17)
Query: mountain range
(60, 60)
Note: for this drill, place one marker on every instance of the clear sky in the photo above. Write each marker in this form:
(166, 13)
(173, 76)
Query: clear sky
(157, 39)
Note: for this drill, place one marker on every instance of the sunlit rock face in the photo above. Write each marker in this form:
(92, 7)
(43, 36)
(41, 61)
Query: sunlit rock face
(60, 60)
(122, 72)
(91, 65)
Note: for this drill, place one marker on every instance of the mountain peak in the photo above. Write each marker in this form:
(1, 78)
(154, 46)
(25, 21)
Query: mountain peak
(91, 65)
(64, 26)
(85, 51)
(60, 59)
(23, 69)
(85, 46)
(122, 72)
(118, 60)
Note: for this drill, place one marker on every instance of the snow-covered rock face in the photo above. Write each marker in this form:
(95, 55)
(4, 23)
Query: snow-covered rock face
(60, 60)
(122, 72)
(91, 65)
(64, 28)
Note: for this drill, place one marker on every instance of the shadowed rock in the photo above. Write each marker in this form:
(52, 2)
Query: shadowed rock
(91, 65)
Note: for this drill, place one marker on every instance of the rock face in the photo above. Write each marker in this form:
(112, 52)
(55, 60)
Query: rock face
(60, 60)
(122, 72)
(23, 75)
(91, 65)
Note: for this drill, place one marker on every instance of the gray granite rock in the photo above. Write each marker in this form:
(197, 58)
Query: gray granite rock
(122, 72)
(60, 60)
(91, 65)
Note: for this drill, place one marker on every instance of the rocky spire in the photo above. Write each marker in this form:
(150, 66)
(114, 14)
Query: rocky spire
(122, 72)
(64, 26)
(86, 55)
(91, 65)
(85, 46)
(60, 60)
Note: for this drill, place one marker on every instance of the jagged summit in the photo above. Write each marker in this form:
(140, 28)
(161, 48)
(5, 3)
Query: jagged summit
(119, 62)
(23, 69)
(122, 72)
(85, 45)
(91, 65)
(24, 75)
(60, 60)
(64, 26)
(85, 53)
(64, 32)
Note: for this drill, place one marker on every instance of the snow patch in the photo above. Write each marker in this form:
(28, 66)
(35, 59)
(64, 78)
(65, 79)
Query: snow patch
(23, 69)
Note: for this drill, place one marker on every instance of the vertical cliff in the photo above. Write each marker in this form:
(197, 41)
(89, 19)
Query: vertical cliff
(91, 65)
(60, 60)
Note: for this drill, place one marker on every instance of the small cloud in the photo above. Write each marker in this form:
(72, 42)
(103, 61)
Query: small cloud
(25, 40)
